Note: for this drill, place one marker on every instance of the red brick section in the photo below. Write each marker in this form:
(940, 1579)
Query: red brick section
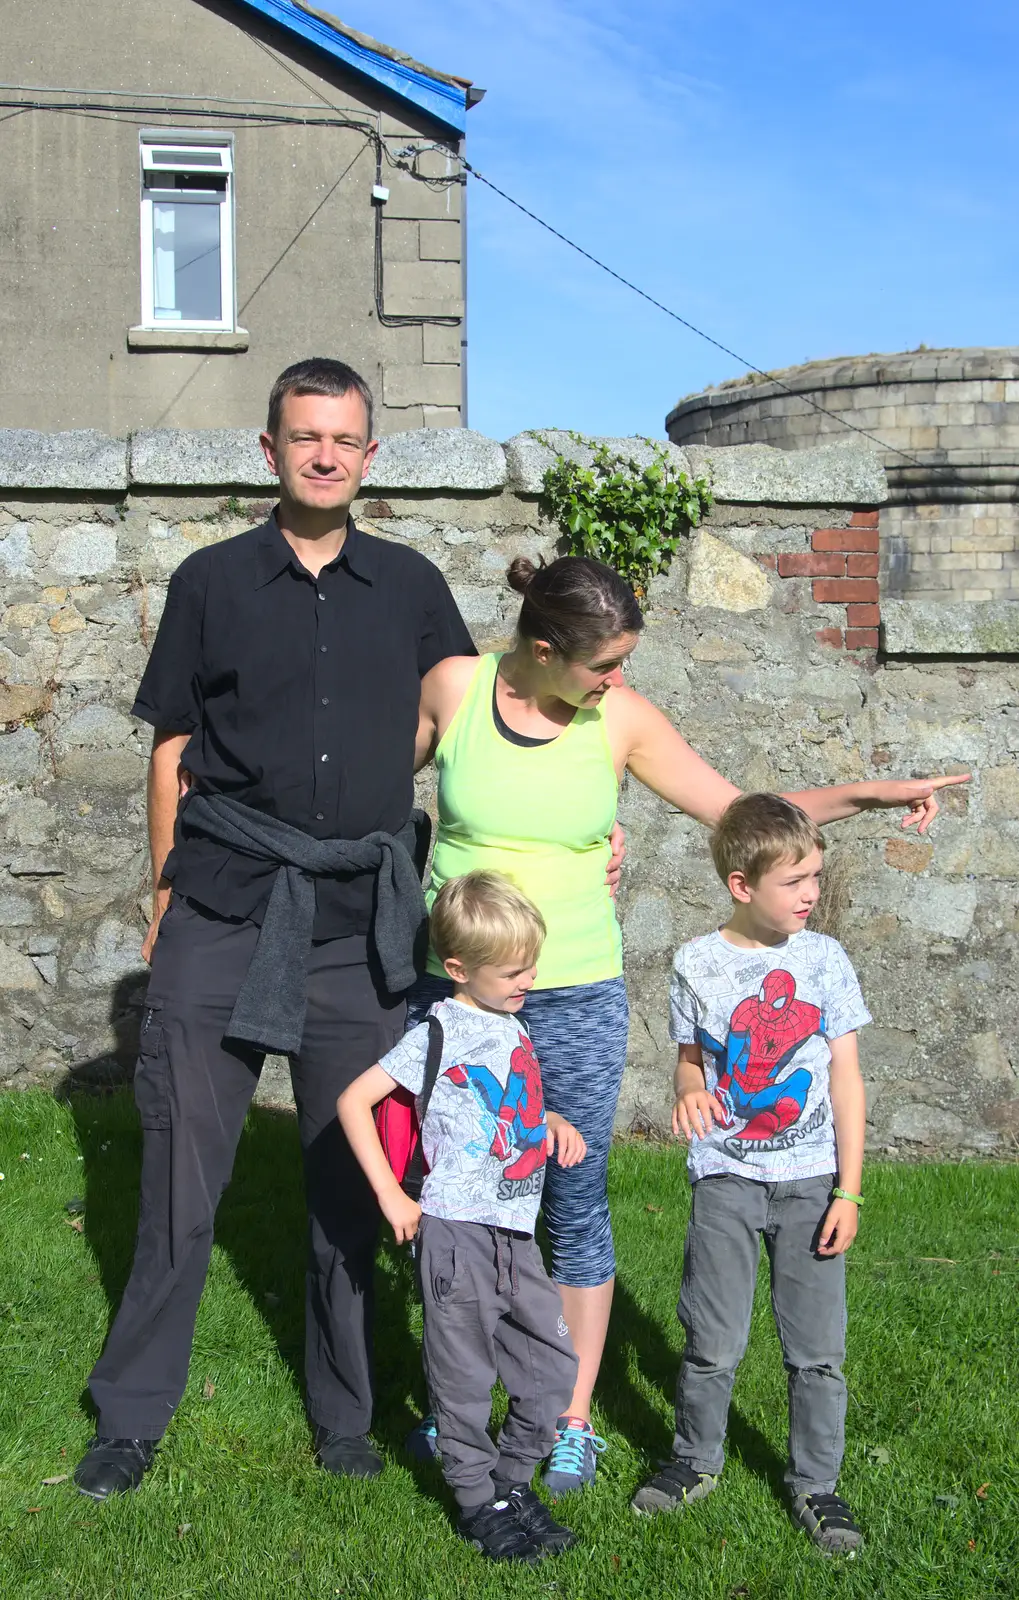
(843, 563)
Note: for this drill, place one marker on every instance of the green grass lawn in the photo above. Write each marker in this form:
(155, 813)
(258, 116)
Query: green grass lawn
(235, 1507)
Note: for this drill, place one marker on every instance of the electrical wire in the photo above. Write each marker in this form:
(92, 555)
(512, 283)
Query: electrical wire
(925, 466)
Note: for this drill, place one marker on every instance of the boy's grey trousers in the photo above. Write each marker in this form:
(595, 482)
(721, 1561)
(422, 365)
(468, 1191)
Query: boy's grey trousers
(808, 1297)
(491, 1311)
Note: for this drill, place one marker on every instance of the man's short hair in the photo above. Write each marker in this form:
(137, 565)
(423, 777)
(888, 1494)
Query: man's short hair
(759, 830)
(317, 375)
(483, 920)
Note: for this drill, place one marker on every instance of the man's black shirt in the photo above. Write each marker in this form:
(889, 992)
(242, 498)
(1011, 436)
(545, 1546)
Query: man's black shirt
(301, 698)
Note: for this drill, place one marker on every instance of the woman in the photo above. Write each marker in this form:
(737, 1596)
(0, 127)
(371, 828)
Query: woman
(530, 747)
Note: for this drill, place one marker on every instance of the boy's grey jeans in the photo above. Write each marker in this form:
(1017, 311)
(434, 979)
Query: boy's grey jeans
(808, 1297)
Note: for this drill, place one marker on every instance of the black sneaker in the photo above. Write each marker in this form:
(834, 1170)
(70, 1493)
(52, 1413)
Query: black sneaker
(537, 1520)
(348, 1457)
(113, 1466)
(829, 1522)
(674, 1488)
(497, 1531)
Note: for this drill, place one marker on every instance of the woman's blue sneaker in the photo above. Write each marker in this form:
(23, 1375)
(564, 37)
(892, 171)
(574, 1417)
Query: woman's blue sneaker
(422, 1442)
(572, 1462)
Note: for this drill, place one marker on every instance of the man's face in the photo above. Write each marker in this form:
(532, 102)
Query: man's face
(321, 451)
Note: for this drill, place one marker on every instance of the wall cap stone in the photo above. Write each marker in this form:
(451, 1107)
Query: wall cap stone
(198, 457)
(759, 474)
(527, 458)
(451, 459)
(857, 372)
(933, 628)
(79, 459)
(438, 458)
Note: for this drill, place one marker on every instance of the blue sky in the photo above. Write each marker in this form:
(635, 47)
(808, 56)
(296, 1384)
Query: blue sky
(800, 180)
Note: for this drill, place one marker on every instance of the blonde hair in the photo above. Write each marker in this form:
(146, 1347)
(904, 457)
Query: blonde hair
(759, 830)
(482, 919)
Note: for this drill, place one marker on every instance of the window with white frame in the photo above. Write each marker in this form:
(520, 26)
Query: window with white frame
(187, 232)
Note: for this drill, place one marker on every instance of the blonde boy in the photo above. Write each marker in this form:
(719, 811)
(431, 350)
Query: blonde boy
(489, 1308)
(769, 1094)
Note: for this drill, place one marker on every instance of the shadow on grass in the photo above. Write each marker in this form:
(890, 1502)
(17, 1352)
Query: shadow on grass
(261, 1222)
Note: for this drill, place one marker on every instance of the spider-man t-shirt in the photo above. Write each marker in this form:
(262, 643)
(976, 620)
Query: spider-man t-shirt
(763, 1019)
(484, 1134)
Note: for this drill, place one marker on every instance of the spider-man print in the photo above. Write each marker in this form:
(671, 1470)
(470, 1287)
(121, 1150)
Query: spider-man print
(765, 1032)
(518, 1110)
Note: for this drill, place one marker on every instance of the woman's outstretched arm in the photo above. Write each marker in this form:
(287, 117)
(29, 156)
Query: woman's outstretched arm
(649, 746)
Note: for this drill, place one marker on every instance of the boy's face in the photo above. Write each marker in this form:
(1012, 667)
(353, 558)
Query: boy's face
(501, 986)
(783, 897)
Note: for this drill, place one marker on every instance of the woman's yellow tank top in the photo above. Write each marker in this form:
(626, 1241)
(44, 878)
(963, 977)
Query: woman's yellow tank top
(541, 815)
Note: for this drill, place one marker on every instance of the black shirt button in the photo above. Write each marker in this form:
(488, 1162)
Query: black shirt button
(321, 595)
(323, 648)
(325, 758)
(320, 816)
(325, 699)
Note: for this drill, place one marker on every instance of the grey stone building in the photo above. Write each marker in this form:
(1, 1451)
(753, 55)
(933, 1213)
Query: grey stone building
(197, 193)
(950, 532)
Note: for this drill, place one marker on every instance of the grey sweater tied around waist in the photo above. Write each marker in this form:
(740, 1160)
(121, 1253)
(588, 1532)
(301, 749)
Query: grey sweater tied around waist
(272, 1002)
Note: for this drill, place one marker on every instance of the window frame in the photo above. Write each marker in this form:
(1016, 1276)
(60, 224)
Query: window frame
(185, 143)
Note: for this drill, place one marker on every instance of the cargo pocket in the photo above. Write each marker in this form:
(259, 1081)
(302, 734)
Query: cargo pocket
(152, 1074)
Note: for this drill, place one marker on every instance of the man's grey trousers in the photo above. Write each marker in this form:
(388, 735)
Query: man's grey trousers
(808, 1297)
(491, 1311)
(193, 1089)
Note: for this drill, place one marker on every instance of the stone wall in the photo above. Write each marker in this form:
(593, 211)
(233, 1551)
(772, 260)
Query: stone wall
(950, 420)
(735, 652)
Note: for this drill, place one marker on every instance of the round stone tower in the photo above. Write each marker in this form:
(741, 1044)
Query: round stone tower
(949, 424)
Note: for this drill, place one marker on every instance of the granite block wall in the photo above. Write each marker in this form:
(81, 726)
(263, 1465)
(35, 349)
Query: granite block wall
(772, 676)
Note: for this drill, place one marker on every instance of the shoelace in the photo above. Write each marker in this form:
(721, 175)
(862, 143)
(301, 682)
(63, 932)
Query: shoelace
(568, 1451)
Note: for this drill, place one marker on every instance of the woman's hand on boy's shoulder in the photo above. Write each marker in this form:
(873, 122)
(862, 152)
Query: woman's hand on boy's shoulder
(565, 1140)
(838, 1230)
(401, 1212)
(694, 1112)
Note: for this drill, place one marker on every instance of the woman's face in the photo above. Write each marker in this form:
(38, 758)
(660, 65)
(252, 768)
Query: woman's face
(586, 680)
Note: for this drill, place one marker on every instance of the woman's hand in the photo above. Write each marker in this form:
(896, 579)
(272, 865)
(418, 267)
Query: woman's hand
(917, 795)
(570, 1142)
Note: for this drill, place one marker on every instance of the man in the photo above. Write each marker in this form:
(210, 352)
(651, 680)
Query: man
(285, 677)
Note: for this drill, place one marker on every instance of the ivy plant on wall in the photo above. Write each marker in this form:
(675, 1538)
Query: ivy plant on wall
(628, 515)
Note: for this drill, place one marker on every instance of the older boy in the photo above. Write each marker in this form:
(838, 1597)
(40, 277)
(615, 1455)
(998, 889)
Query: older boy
(490, 1309)
(769, 1094)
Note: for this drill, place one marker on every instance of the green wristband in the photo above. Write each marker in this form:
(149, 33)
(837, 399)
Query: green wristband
(843, 1194)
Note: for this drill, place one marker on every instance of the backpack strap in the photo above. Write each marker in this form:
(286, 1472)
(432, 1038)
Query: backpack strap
(414, 1176)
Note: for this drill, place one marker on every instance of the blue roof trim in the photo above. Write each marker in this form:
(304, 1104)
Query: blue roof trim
(443, 101)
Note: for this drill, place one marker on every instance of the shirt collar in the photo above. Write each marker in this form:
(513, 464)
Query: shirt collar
(273, 553)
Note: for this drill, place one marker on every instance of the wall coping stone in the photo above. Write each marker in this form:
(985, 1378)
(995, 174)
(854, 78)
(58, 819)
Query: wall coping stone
(843, 474)
(858, 372)
(934, 628)
(78, 459)
(452, 459)
(438, 458)
(198, 457)
(527, 458)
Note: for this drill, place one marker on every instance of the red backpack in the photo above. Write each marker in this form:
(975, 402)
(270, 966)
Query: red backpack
(398, 1125)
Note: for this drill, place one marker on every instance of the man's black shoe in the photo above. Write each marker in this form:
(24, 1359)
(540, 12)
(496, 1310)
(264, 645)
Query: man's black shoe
(496, 1530)
(112, 1466)
(348, 1457)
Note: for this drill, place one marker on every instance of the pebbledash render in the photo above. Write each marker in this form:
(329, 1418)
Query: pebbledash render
(760, 644)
